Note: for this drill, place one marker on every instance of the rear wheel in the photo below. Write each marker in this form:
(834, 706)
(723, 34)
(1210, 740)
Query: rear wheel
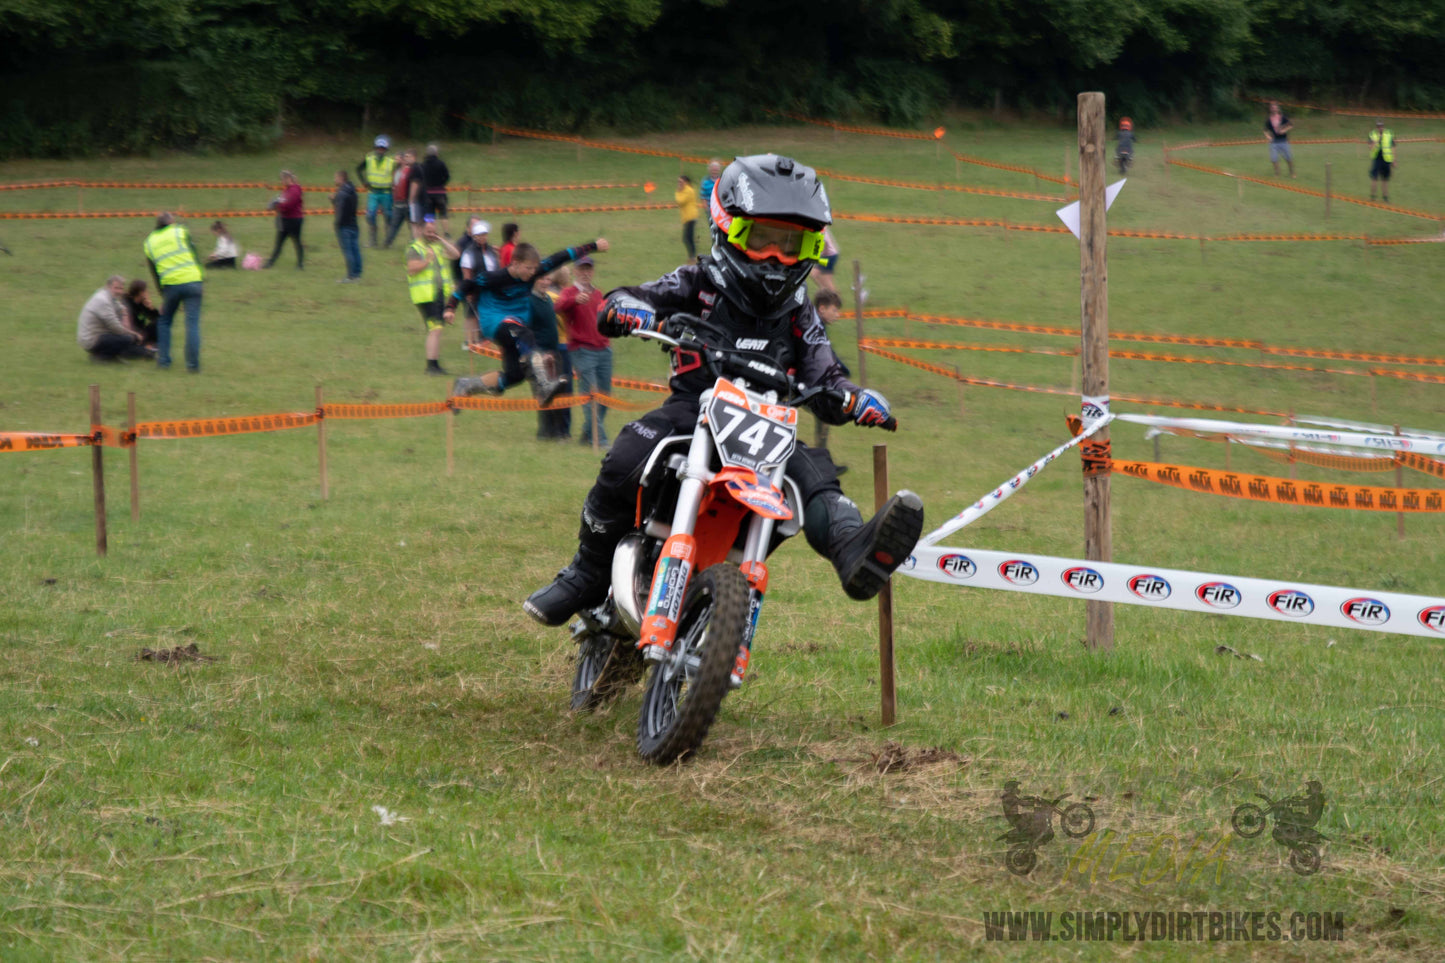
(687, 687)
(607, 665)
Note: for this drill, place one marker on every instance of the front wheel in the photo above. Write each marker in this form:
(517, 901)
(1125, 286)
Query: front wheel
(1077, 821)
(687, 687)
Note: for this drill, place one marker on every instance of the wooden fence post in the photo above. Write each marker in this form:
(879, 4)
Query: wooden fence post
(134, 457)
(886, 692)
(321, 445)
(1094, 356)
(97, 472)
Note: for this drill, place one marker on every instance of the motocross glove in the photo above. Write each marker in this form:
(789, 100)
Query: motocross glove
(868, 407)
(625, 315)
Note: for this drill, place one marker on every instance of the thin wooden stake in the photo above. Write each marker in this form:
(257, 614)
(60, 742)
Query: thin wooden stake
(321, 445)
(134, 457)
(451, 431)
(596, 428)
(858, 316)
(1399, 483)
(1094, 354)
(97, 473)
(886, 692)
(962, 406)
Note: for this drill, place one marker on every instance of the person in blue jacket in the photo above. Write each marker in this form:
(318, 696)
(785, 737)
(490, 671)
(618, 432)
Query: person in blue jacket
(504, 316)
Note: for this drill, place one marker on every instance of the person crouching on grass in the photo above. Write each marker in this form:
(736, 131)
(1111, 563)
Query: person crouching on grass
(504, 315)
(427, 277)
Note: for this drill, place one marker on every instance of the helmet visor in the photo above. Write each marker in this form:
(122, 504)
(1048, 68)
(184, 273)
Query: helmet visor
(761, 239)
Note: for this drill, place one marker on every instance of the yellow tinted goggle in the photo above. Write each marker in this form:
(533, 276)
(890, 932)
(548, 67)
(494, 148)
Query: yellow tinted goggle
(762, 239)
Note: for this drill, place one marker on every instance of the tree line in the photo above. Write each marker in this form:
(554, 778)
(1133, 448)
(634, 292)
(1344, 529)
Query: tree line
(86, 77)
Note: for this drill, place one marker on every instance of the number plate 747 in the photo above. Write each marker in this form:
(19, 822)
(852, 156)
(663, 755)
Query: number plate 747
(749, 439)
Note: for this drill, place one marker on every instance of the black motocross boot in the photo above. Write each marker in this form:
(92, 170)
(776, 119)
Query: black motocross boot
(865, 556)
(583, 584)
(540, 367)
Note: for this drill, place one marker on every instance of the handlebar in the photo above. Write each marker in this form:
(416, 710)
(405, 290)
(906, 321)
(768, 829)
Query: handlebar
(677, 333)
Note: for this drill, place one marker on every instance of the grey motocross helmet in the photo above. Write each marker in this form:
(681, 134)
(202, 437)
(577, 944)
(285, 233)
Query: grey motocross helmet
(768, 214)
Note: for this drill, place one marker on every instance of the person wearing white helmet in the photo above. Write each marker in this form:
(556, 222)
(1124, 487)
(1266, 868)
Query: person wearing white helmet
(375, 171)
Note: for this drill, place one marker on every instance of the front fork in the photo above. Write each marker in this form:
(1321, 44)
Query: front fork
(675, 564)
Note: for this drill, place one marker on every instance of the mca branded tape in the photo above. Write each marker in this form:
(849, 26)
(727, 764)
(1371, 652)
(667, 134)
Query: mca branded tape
(1256, 598)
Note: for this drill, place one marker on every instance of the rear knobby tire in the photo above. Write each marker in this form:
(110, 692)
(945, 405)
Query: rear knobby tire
(607, 666)
(686, 689)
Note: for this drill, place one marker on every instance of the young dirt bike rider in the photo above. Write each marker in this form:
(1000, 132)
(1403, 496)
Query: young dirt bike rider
(768, 214)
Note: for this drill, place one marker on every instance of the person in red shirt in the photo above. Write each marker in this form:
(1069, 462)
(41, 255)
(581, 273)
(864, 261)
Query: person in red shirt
(590, 352)
(290, 211)
(511, 237)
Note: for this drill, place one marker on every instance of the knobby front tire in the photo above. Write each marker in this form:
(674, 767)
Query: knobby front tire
(686, 689)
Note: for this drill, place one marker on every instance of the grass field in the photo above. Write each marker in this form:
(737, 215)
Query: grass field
(370, 650)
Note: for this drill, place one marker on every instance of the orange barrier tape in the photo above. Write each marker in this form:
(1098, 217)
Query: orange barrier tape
(1263, 488)
(1421, 463)
(1353, 356)
(1410, 376)
(944, 221)
(211, 427)
(958, 188)
(872, 131)
(40, 441)
(1354, 112)
(636, 385)
(1200, 342)
(608, 401)
(961, 346)
(1182, 359)
(1016, 168)
(518, 404)
(111, 437)
(1043, 389)
(1322, 459)
(368, 412)
(1294, 188)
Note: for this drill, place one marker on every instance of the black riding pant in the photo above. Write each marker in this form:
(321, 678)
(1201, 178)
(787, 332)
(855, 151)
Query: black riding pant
(611, 506)
(516, 341)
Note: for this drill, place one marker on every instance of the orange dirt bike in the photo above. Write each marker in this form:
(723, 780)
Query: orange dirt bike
(689, 581)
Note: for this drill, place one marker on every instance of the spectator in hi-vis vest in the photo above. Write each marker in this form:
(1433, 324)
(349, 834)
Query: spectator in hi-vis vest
(429, 281)
(376, 171)
(1382, 159)
(176, 267)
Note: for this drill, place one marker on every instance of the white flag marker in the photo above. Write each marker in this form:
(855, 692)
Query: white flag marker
(1070, 214)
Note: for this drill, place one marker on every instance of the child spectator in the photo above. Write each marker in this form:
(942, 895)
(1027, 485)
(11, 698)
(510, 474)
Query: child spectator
(704, 193)
(142, 313)
(588, 351)
(226, 252)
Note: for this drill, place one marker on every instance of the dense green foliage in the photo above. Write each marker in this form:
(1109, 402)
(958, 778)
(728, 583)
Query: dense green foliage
(86, 77)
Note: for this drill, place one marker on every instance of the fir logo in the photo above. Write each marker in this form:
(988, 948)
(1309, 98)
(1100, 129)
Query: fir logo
(1083, 580)
(1433, 618)
(957, 566)
(1150, 588)
(1219, 595)
(1291, 602)
(1018, 572)
(1366, 611)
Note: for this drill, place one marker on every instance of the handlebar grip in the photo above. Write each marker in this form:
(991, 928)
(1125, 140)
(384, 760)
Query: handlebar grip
(890, 425)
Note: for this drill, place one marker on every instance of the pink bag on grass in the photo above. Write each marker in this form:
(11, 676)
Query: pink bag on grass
(251, 262)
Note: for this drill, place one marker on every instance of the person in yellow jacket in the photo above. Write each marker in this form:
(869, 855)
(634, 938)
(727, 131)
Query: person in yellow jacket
(376, 171)
(686, 198)
(1382, 158)
(176, 267)
(429, 280)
